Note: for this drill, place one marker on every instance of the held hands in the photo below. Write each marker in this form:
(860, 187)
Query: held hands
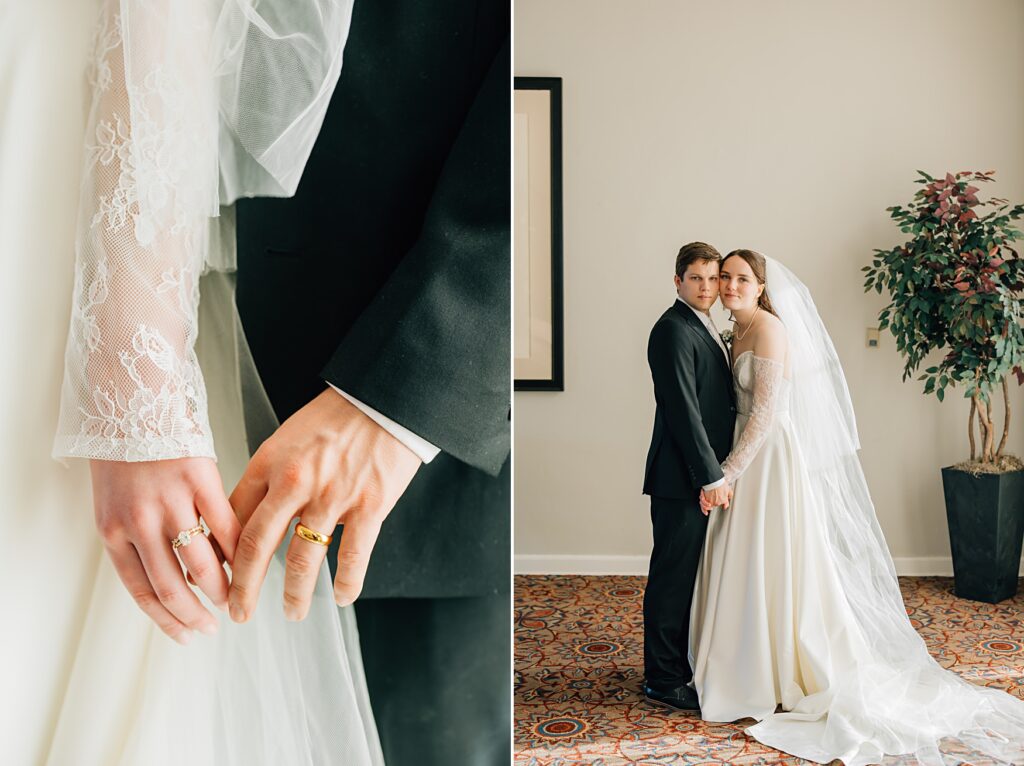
(328, 464)
(719, 496)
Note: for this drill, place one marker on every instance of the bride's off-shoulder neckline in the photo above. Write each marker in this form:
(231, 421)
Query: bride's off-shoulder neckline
(736, 361)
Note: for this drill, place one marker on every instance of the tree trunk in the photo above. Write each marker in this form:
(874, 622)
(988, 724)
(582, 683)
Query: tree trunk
(970, 427)
(987, 436)
(1006, 419)
(990, 433)
(981, 426)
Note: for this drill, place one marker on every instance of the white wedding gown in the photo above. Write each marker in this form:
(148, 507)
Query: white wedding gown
(769, 619)
(774, 621)
(88, 680)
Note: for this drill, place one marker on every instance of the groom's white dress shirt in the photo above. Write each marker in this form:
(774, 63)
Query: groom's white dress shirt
(423, 449)
(709, 325)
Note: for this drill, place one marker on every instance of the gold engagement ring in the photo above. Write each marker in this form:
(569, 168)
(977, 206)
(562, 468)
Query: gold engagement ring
(185, 536)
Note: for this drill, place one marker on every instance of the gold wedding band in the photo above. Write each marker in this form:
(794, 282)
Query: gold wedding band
(312, 535)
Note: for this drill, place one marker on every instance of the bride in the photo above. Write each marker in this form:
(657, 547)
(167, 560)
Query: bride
(797, 618)
(191, 104)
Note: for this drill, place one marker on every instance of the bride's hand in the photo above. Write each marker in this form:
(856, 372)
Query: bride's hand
(140, 508)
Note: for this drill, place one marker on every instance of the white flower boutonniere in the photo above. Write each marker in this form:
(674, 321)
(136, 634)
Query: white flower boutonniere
(727, 338)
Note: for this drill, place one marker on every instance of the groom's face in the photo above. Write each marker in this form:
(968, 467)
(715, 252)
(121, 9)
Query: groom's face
(699, 284)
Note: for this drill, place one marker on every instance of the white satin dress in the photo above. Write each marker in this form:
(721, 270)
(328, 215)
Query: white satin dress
(773, 636)
(769, 625)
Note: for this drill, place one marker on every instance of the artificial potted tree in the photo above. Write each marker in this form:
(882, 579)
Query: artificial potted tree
(956, 286)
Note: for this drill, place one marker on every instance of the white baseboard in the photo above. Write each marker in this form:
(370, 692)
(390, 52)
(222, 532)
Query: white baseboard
(529, 564)
(924, 566)
(582, 565)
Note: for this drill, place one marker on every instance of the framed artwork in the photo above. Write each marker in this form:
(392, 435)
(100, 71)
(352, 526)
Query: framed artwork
(537, 259)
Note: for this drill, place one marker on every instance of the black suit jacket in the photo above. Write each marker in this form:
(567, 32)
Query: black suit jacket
(696, 406)
(388, 275)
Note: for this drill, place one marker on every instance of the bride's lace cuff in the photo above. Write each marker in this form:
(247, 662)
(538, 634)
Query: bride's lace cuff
(768, 376)
(132, 386)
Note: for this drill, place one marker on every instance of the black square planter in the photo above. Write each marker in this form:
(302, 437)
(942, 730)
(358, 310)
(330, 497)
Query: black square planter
(986, 525)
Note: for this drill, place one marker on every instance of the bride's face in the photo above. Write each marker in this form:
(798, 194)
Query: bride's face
(739, 287)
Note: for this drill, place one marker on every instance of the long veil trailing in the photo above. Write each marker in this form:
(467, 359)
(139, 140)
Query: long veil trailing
(898, 700)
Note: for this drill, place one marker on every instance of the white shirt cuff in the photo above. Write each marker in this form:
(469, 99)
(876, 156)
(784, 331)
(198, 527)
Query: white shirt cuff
(713, 485)
(423, 449)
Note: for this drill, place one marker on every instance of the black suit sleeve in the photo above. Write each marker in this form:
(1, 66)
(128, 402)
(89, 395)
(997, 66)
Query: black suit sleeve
(670, 354)
(432, 351)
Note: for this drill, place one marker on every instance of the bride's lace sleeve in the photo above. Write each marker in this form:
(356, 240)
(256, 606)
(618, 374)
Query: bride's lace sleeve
(132, 385)
(768, 370)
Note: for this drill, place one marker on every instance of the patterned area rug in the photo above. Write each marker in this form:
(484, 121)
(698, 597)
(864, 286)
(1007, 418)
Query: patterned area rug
(579, 669)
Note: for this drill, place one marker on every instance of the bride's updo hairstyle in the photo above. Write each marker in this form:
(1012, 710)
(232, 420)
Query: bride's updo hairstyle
(757, 264)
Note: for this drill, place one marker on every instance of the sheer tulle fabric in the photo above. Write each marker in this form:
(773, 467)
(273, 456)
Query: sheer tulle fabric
(276, 65)
(891, 697)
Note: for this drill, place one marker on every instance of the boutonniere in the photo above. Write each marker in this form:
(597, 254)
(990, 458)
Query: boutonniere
(727, 338)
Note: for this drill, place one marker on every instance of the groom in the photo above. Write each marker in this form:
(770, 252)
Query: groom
(693, 427)
(376, 304)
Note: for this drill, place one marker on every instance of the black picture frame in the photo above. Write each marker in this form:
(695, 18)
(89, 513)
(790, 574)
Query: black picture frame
(557, 380)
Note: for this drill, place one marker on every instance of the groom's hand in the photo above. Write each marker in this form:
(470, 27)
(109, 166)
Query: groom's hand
(327, 464)
(719, 496)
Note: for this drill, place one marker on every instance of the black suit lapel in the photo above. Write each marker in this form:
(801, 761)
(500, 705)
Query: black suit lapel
(705, 335)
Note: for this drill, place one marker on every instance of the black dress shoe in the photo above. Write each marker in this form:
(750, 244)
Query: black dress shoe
(683, 698)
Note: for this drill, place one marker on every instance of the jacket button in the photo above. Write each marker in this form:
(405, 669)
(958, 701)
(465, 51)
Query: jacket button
(732, 409)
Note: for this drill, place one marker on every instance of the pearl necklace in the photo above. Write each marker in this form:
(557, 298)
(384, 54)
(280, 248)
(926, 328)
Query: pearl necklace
(739, 336)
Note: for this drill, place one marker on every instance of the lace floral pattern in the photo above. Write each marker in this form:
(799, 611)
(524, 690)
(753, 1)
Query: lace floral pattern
(150, 424)
(762, 392)
(193, 103)
(132, 388)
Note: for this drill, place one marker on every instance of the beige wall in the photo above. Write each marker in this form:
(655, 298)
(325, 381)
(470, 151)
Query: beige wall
(786, 127)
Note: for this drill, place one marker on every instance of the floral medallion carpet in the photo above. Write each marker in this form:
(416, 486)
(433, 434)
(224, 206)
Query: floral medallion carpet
(579, 670)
